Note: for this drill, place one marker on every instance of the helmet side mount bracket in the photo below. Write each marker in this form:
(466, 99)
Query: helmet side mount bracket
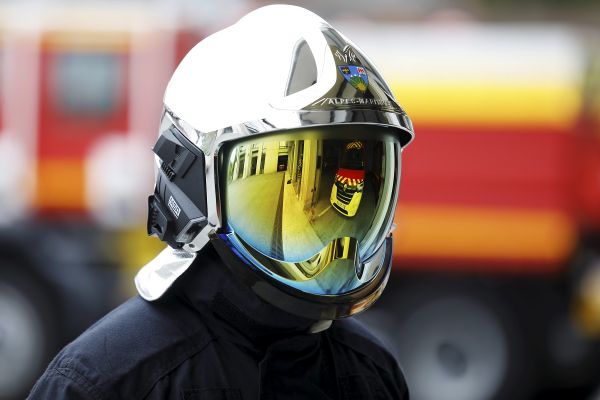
(177, 210)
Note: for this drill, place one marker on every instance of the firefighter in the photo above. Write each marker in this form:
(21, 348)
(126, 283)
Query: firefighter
(250, 298)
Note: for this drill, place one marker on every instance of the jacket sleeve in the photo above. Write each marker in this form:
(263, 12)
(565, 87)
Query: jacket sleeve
(401, 382)
(64, 384)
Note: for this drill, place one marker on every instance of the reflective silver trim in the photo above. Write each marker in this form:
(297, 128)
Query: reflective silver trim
(156, 277)
(209, 142)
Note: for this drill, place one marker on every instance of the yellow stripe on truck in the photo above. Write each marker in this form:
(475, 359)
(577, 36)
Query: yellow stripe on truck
(470, 233)
(489, 104)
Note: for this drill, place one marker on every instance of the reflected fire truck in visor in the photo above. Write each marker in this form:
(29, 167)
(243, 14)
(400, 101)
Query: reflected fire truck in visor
(349, 183)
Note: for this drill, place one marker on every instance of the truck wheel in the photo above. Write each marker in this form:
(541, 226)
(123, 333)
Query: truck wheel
(457, 346)
(26, 337)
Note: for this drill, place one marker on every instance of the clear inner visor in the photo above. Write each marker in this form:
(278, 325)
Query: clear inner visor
(291, 195)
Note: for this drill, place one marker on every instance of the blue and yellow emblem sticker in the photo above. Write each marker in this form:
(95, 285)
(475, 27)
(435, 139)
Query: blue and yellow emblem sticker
(356, 76)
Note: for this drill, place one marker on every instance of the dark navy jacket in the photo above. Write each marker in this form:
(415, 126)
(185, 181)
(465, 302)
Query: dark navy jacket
(210, 338)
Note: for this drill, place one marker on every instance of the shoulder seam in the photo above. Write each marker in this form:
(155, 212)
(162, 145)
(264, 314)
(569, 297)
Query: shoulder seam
(79, 379)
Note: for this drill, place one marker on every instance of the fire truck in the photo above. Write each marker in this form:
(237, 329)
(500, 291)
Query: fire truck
(349, 182)
(495, 290)
(80, 95)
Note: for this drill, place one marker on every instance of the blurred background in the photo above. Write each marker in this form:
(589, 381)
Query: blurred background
(495, 290)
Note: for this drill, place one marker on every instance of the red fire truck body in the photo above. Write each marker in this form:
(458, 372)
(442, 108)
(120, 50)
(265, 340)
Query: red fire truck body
(497, 223)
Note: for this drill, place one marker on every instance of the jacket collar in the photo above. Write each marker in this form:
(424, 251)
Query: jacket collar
(209, 286)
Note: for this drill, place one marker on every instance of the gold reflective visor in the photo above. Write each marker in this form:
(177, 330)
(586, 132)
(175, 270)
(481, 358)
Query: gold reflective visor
(312, 198)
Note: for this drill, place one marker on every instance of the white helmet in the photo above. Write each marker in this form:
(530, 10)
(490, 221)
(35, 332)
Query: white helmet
(280, 142)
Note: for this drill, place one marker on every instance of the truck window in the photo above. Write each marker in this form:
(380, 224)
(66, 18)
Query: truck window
(86, 84)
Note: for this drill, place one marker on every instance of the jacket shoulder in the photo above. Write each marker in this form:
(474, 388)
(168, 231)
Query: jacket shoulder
(125, 353)
(353, 334)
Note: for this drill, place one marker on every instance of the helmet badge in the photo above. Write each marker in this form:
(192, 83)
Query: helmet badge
(352, 70)
(356, 76)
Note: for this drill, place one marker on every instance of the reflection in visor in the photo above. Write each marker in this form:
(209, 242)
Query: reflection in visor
(297, 201)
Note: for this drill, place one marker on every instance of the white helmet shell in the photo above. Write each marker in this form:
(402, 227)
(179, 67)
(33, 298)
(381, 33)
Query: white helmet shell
(257, 69)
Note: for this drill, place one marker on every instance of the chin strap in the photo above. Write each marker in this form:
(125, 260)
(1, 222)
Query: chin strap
(320, 326)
